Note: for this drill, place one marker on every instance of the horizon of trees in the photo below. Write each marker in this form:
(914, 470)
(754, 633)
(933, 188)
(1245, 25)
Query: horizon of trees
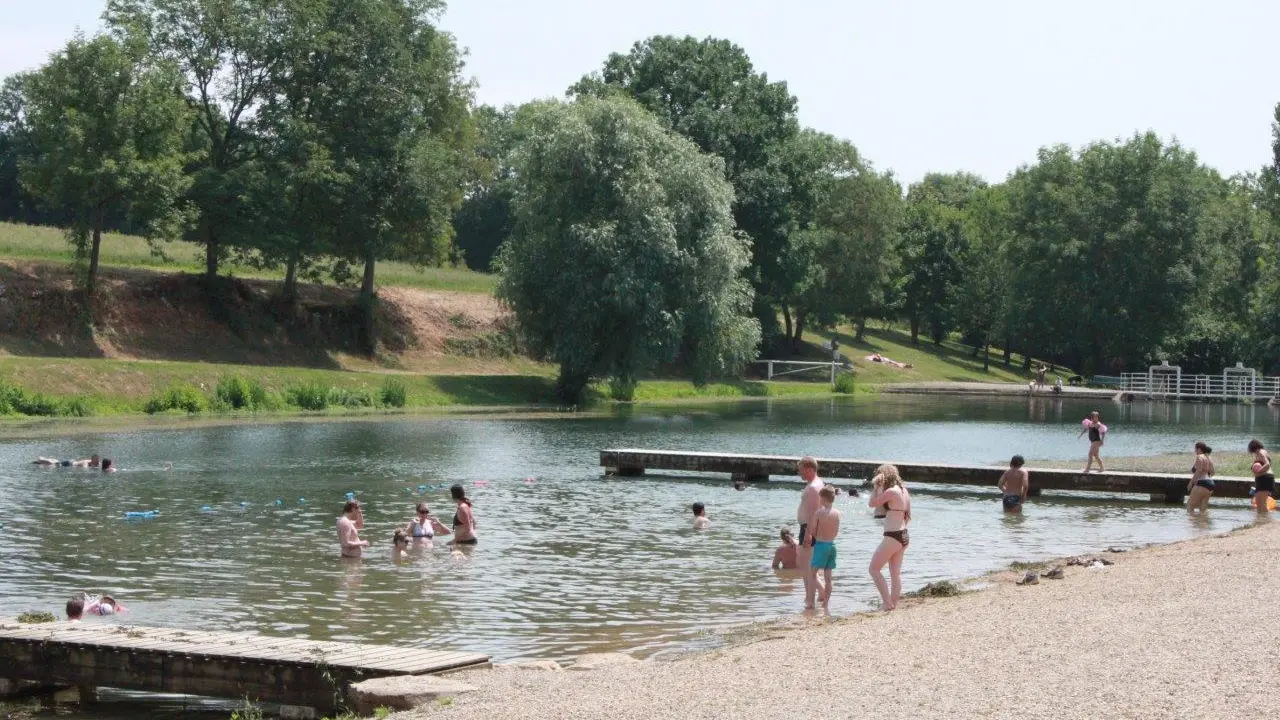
(323, 137)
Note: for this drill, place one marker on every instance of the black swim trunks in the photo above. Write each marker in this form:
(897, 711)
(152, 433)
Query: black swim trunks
(1205, 483)
(1011, 501)
(1265, 483)
(803, 528)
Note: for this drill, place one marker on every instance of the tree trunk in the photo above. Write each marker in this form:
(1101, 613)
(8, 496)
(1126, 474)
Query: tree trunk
(1008, 354)
(368, 301)
(861, 329)
(795, 341)
(976, 349)
(786, 319)
(986, 356)
(1026, 360)
(915, 329)
(210, 256)
(289, 293)
(91, 282)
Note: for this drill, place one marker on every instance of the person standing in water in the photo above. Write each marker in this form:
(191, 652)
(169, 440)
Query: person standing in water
(350, 523)
(1014, 485)
(890, 490)
(826, 525)
(1200, 487)
(1097, 434)
(810, 501)
(464, 520)
(1264, 481)
(700, 521)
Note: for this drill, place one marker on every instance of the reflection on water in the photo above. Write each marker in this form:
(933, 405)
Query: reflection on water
(568, 563)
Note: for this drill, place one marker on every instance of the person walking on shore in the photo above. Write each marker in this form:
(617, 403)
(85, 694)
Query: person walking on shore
(1264, 481)
(350, 523)
(1097, 435)
(1200, 487)
(810, 501)
(889, 490)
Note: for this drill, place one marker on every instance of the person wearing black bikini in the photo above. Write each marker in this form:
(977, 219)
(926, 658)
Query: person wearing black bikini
(464, 520)
(1200, 487)
(890, 491)
(1264, 481)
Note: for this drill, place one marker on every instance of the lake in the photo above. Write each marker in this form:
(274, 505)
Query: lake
(568, 561)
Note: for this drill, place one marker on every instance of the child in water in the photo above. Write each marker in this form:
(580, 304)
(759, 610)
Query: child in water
(784, 558)
(700, 521)
(105, 605)
(1014, 485)
(399, 545)
(826, 525)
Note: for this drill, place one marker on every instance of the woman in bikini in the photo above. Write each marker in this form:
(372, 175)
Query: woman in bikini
(889, 491)
(1264, 481)
(423, 527)
(1200, 487)
(464, 521)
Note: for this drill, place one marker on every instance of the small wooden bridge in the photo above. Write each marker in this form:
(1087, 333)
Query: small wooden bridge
(289, 671)
(753, 468)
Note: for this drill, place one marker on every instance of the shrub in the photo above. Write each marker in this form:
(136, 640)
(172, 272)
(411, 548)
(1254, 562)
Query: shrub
(622, 389)
(350, 398)
(36, 617)
(234, 391)
(393, 393)
(36, 404)
(844, 383)
(309, 396)
(492, 345)
(179, 396)
(76, 407)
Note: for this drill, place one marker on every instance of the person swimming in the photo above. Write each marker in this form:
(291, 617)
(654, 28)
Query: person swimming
(105, 605)
(700, 521)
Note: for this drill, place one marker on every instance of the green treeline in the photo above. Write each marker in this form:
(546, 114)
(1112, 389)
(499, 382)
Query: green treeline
(670, 212)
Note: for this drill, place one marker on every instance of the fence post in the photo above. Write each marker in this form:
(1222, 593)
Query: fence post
(770, 372)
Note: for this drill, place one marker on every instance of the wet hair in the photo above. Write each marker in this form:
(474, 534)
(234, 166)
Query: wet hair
(399, 537)
(699, 508)
(808, 461)
(1201, 447)
(351, 505)
(422, 508)
(75, 608)
(1096, 414)
(785, 535)
(107, 600)
(1255, 445)
(1017, 461)
(106, 464)
(889, 475)
(827, 493)
(459, 494)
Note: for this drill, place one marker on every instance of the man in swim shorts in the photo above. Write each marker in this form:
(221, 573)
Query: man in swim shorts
(1014, 484)
(349, 525)
(810, 502)
(826, 525)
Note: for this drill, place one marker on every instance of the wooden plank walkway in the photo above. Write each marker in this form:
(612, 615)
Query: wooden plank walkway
(291, 671)
(1169, 488)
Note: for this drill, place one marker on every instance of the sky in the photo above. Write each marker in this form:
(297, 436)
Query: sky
(946, 85)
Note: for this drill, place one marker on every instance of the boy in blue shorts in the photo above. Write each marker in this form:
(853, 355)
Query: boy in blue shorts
(826, 525)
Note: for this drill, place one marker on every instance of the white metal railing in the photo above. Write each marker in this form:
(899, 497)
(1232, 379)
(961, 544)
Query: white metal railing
(801, 366)
(1201, 386)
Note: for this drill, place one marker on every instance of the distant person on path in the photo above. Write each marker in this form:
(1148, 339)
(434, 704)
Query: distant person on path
(893, 545)
(826, 525)
(1264, 481)
(1040, 372)
(700, 521)
(784, 558)
(1097, 434)
(810, 501)
(75, 608)
(350, 523)
(464, 519)
(1200, 487)
(1014, 485)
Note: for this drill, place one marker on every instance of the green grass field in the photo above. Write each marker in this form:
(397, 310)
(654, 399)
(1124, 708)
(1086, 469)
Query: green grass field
(46, 244)
(951, 362)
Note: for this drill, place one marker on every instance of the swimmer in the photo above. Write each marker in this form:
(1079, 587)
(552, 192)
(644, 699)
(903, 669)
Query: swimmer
(810, 501)
(75, 608)
(1200, 487)
(349, 524)
(826, 525)
(92, 461)
(423, 526)
(1014, 485)
(108, 466)
(784, 558)
(1097, 435)
(105, 605)
(399, 545)
(890, 491)
(47, 462)
(1264, 481)
(700, 521)
(464, 519)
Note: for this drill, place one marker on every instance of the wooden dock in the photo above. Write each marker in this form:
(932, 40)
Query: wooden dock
(758, 468)
(289, 671)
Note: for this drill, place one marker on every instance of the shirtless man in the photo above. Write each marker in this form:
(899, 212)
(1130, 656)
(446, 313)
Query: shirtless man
(349, 525)
(1014, 485)
(826, 525)
(810, 502)
(700, 521)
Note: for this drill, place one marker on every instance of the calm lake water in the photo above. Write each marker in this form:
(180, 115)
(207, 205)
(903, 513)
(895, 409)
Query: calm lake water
(569, 562)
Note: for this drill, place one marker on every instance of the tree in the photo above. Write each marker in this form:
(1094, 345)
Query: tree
(105, 122)
(485, 220)
(708, 91)
(624, 254)
(984, 298)
(932, 248)
(226, 51)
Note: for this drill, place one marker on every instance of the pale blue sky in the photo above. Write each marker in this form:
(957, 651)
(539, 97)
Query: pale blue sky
(946, 85)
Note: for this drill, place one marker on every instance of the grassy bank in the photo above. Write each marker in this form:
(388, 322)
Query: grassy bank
(46, 244)
(950, 361)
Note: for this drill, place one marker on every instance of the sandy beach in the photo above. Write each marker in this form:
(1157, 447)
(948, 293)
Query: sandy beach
(1166, 632)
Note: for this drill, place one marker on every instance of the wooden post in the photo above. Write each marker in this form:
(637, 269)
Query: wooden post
(770, 372)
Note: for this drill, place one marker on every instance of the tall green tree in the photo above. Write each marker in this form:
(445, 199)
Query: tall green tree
(932, 249)
(226, 50)
(708, 91)
(624, 254)
(104, 121)
(984, 296)
(485, 219)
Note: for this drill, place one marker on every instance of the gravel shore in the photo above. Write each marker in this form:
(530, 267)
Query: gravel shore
(1176, 631)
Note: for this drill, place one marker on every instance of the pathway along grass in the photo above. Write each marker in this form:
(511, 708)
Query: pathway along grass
(48, 244)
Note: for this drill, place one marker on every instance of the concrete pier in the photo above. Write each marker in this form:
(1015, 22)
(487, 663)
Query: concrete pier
(759, 468)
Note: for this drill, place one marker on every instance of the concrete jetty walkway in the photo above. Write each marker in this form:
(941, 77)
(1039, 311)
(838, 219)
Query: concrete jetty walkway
(1176, 631)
